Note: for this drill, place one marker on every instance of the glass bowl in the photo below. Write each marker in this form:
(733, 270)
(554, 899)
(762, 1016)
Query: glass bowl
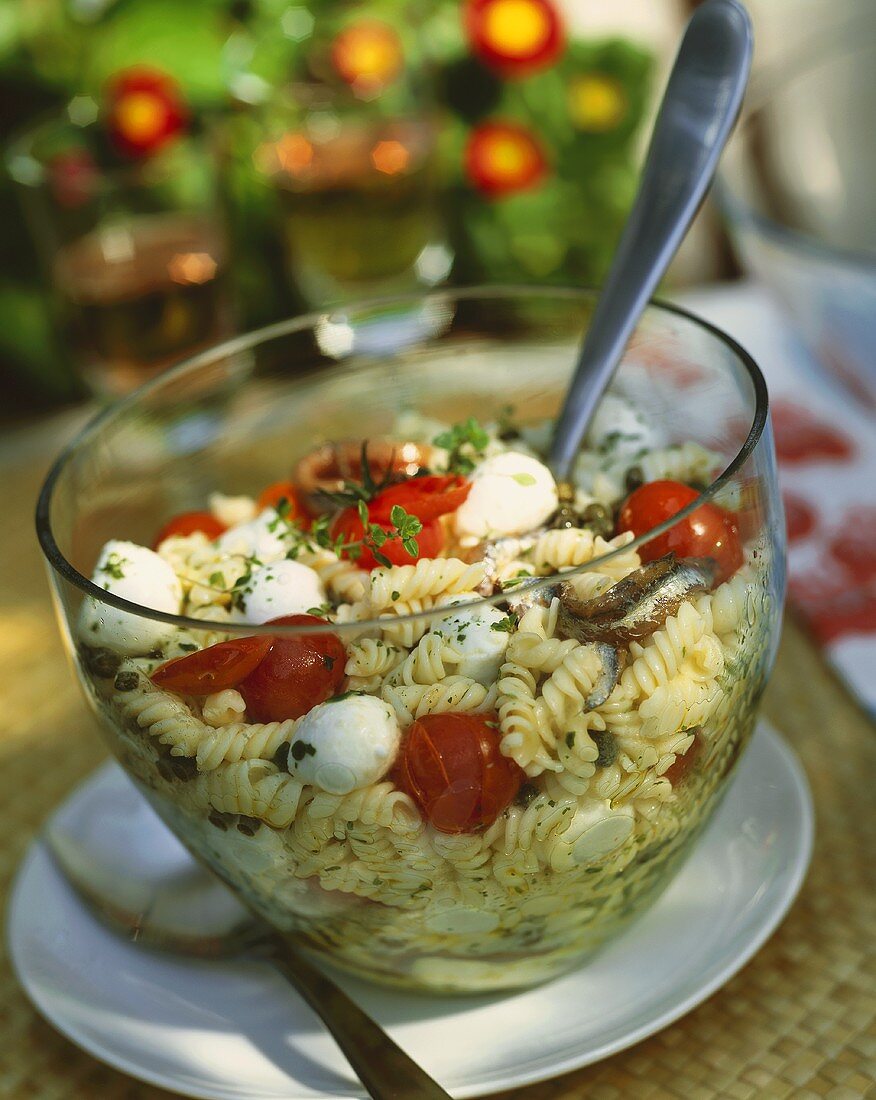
(796, 185)
(608, 792)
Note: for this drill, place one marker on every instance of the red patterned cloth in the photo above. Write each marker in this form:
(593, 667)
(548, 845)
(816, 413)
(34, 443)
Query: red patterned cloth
(826, 447)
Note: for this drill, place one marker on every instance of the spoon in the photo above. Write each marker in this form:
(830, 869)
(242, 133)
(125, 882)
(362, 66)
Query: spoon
(699, 109)
(187, 911)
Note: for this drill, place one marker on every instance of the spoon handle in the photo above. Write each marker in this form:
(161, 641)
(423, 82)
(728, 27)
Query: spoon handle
(383, 1067)
(699, 108)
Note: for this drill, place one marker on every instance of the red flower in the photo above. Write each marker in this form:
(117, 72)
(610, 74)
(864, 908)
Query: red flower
(502, 158)
(517, 37)
(145, 111)
(368, 55)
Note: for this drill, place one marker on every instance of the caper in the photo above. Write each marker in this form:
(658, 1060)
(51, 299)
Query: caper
(281, 756)
(564, 518)
(184, 768)
(126, 681)
(635, 477)
(249, 826)
(101, 662)
(607, 747)
(526, 794)
(218, 819)
(599, 519)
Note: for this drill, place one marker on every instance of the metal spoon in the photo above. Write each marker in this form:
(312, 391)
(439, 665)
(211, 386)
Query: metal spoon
(189, 912)
(699, 108)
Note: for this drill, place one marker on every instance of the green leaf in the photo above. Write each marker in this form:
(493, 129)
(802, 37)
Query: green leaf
(523, 479)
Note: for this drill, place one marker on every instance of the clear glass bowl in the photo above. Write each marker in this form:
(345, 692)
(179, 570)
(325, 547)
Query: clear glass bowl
(796, 184)
(362, 878)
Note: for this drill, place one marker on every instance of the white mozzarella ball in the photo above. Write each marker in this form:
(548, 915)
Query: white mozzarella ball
(260, 538)
(137, 574)
(595, 831)
(345, 744)
(471, 631)
(510, 493)
(282, 588)
(232, 510)
(620, 429)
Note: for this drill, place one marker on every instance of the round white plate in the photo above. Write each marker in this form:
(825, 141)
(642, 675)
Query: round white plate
(236, 1030)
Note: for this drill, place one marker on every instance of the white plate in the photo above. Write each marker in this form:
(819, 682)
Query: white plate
(236, 1030)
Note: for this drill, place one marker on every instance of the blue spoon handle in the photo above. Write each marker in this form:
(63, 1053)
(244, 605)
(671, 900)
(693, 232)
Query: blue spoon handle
(699, 108)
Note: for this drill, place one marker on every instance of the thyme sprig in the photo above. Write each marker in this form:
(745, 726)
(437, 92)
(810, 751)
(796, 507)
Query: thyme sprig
(465, 442)
(404, 528)
(367, 488)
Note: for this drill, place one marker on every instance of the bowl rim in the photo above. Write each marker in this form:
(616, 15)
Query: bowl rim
(235, 345)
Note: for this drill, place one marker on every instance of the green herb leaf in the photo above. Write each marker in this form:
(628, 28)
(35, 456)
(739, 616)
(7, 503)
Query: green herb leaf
(523, 479)
(507, 624)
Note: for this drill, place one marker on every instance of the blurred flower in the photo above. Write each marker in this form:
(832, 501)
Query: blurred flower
(597, 102)
(502, 158)
(73, 177)
(145, 111)
(516, 37)
(367, 55)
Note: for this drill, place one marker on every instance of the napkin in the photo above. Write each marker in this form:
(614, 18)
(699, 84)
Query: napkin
(826, 449)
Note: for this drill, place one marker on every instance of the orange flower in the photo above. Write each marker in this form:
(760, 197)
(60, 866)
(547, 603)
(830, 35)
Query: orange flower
(367, 55)
(502, 158)
(517, 37)
(145, 111)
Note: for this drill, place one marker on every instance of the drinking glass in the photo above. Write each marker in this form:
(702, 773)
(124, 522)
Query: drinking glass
(136, 254)
(348, 143)
(365, 879)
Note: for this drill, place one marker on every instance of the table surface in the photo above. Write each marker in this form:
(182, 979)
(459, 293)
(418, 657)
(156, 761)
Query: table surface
(799, 1021)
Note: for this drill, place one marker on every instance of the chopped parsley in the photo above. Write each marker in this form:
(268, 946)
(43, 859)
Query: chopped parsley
(113, 566)
(217, 580)
(318, 612)
(523, 479)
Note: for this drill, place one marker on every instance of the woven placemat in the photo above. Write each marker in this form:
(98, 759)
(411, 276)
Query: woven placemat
(798, 1021)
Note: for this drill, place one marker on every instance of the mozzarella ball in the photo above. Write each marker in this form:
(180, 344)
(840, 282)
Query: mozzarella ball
(471, 631)
(345, 744)
(282, 588)
(232, 510)
(595, 831)
(620, 429)
(137, 574)
(260, 538)
(510, 493)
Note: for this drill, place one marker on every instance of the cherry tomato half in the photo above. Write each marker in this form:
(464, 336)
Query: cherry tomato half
(424, 497)
(349, 525)
(188, 523)
(452, 767)
(271, 496)
(215, 668)
(708, 532)
(296, 674)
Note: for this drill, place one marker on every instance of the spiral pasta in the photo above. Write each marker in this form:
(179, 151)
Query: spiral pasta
(243, 741)
(430, 577)
(457, 694)
(369, 661)
(255, 788)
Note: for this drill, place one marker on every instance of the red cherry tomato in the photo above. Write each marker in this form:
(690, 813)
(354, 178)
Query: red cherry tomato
(271, 496)
(215, 668)
(708, 532)
(424, 497)
(296, 674)
(188, 523)
(452, 767)
(429, 540)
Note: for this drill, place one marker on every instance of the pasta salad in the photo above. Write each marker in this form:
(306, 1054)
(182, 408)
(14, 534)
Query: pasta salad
(499, 725)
